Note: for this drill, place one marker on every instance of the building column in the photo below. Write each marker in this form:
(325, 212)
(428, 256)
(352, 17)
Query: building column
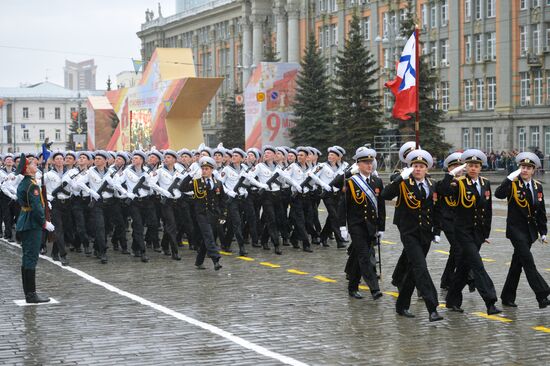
(282, 35)
(195, 42)
(454, 59)
(257, 38)
(293, 32)
(213, 53)
(246, 50)
(231, 64)
(341, 24)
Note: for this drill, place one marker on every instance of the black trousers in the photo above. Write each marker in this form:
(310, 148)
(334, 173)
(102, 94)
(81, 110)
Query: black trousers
(118, 221)
(152, 234)
(61, 215)
(269, 202)
(143, 214)
(469, 245)
(523, 258)
(360, 260)
(416, 246)
(400, 270)
(236, 208)
(302, 217)
(79, 211)
(185, 222)
(10, 212)
(98, 211)
(315, 201)
(170, 210)
(207, 223)
(331, 225)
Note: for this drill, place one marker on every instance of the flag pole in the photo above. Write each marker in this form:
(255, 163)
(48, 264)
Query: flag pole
(417, 69)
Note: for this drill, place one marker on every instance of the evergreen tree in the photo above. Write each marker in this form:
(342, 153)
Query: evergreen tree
(270, 54)
(356, 93)
(312, 108)
(73, 129)
(431, 135)
(232, 132)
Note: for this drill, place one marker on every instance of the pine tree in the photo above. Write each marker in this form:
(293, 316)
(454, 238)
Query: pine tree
(232, 132)
(73, 129)
(431, 135)
(312, 108)
(356, 94)
(270, 54)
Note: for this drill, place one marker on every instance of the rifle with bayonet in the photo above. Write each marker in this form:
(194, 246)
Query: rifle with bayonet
(61, 188)
(307, 182)
(240, 182)
(270, 181)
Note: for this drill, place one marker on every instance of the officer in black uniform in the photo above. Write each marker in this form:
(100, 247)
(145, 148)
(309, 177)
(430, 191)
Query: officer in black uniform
(526, 220)
(473, 215)
(209, 209)
(416, 223)
(366, 218)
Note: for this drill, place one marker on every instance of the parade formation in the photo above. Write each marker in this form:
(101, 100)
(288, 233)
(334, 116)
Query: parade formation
(85, 202)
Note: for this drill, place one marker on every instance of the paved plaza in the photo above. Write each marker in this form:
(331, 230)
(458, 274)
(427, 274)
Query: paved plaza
(262, 310)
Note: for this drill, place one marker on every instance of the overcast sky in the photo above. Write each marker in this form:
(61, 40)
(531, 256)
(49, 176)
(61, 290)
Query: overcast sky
(101, 29)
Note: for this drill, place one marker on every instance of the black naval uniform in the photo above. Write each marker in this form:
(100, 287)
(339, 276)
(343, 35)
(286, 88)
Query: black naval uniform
(473, 215)
(364, 220)
(526, 220)
(416, 222)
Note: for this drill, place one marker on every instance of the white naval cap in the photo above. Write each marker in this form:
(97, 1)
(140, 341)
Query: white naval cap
(405, 149)
(207, 161)
(528, 158)
(420, 156)
(474, 156)
(364, 154)
(452, 159)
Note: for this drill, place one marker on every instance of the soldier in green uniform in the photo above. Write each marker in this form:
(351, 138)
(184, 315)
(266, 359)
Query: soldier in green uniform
(31, 221)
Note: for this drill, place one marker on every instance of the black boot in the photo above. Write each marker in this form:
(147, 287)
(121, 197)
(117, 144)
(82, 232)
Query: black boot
(31, 296)
(25, 290)
(242, 250)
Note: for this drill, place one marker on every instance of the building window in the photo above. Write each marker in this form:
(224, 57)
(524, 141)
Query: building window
(433, 55)
(57, 113)
(492, 93)
(467, 10)
(548, 35)
(488, 139)
(535, 136)
(465, 138)
(491, 8)
(536, 38)
(468, 102)
(42, 135)
(57, 135)
(479, 43)
(366, 28)
(468, 49)
(523, 4)
(548, 90)
(25, 112)
(320, 37)
(444, 13)
(522, 138)
(445, 96)
(388, 99)
(425, 15)
(523, 39)
(491, 45)
(435, 97)
(385, 23)
(536, 3)
(525, 89)
(478, 9)
(334, 29)
(444, 52)
(547, 140)
(477, 138)
(386, 58)
(26, 135)
(537, 87)
(41, 113)
(433, 16)
(480, 94)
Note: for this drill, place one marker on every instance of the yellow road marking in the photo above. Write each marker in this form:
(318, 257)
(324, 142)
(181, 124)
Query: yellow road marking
(270, 265)
(225, 253)
(441, 251)
(324, 279)
(500, 230)
(391, 293)
(248, 259)
(493, 317)
(540, 328)
(363, 287)
(321, 210)
(185, 242)
(442, 305)
(295, 271)
(387, 242)
(547, 269)
(488, 260)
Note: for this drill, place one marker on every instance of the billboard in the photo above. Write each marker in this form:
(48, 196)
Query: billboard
(268, 99)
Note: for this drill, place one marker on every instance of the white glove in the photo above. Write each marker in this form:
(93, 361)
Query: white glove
(514, 174)
(298, 188)
(487, 241)
(49, 205)
(13, 197)
(164, 192)
(222, 222)
(109, 180)
(406, 172)
(437, 239)
(354, 169)
(245, 194)
(326, 187)
(130, 195)
(49, 226)
(375, 173)
(543, 239)
(49, 197)
(457, 170)
(230, 193)
(344, 232)
(176, 194)
(264, 186)
(95, 195)
(380, 235)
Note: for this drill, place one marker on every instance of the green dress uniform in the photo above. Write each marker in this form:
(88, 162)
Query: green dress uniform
(30, 223)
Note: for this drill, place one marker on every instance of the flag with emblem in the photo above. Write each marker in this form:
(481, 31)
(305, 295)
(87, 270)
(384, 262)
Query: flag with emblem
(405, 85)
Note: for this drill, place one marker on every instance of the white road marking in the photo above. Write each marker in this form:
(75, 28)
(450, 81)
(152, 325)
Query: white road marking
(206, 326)
(24, 303)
